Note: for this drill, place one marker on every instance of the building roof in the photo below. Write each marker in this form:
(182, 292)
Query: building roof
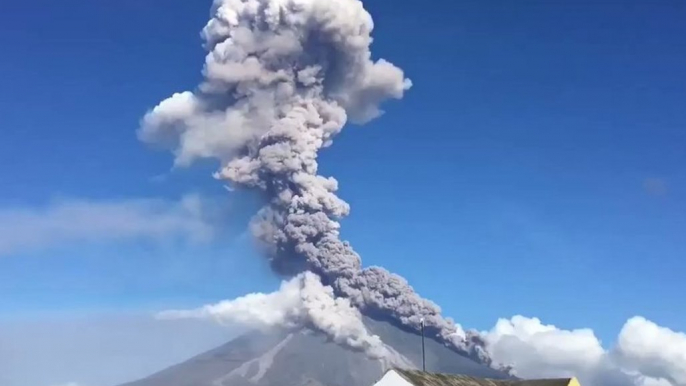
(421, 378)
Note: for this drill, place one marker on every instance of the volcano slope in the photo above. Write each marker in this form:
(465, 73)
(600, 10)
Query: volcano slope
(300, 358)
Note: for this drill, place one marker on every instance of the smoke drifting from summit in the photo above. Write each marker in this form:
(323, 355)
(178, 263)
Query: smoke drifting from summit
(281, 79)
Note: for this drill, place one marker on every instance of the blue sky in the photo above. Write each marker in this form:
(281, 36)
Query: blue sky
(536, 167)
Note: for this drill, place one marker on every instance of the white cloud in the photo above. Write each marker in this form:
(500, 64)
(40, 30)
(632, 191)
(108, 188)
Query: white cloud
(300, 302)
(27, 229)
(645, 354)
(653, 350)
(258, 310)
(543, 350)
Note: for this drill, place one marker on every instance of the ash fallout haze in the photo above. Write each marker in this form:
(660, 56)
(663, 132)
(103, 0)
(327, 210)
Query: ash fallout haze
(522, 165)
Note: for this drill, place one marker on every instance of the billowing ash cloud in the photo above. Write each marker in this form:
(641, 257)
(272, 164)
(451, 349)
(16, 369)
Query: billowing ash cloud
(281, 79)
(302, 301)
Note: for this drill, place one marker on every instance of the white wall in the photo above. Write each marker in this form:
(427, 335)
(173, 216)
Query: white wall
(392, 378)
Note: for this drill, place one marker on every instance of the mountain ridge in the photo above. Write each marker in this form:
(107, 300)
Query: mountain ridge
(307, 358)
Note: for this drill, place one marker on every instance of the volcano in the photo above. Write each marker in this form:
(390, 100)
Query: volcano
(306, 358)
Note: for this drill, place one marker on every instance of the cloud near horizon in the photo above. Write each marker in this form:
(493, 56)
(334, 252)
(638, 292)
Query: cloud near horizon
(30, 229)
(644, 354)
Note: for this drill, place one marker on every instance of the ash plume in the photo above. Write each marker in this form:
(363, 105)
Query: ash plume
(281, 79)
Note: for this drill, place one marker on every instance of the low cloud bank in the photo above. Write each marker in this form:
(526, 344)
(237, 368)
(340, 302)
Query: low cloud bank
(96, 351)
(644, 353)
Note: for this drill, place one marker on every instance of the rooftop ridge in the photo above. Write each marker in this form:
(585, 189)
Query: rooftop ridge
(422, 378)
